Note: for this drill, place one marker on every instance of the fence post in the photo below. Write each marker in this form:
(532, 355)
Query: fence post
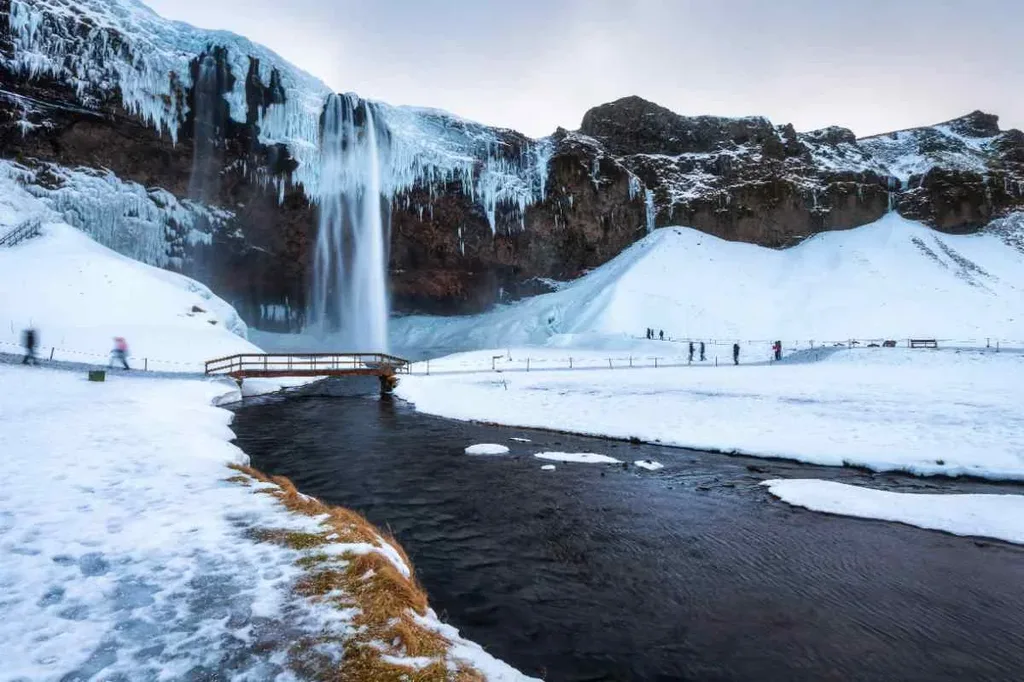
(527, 364)
(51, 353)
(610, 363)
(655, 363)
(997, 346)
(145, 366)
(631, 361)
(428, 367)
(570, 362)
(716, 361)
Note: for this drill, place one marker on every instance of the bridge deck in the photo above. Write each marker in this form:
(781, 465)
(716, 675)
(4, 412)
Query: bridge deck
(255, 365)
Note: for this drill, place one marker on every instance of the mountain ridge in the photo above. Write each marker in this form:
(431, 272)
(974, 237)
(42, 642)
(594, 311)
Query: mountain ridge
(478, 214)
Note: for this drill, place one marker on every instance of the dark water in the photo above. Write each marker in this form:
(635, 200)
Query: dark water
(691, 573)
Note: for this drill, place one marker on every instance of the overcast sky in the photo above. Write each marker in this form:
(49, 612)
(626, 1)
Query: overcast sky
(872, 65)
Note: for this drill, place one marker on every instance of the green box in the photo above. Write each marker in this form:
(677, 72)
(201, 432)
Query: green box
(97, 375)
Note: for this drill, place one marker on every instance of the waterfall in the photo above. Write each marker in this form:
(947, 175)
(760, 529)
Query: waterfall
(349, 291)
(207, 132)
(650, 209)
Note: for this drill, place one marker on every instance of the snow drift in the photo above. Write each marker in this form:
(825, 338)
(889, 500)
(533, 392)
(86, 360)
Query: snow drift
(891, 279)
(79, 295)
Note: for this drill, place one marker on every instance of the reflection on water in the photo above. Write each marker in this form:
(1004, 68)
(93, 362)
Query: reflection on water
(690, 573)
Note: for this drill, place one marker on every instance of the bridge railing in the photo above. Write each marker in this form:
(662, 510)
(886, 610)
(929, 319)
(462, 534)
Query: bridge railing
(306, 364)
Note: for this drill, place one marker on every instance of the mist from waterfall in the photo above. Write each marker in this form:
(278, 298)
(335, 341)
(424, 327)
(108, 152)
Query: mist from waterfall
(349, 289)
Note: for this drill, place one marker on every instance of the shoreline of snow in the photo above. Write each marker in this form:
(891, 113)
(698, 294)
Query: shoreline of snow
(926, 413)
(1000, 517)
(124, 533)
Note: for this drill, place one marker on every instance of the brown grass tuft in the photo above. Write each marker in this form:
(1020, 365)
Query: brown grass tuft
(385, 599)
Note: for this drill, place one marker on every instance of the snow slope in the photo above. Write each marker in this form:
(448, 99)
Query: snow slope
(929, 412)
(890, 279)
(992, 516)
(78, 295)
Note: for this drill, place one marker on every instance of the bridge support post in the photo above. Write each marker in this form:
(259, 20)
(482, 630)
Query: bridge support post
(388, 382)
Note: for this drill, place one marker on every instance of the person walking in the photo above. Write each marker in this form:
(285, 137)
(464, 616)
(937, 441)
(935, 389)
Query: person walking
(29, 341)
(661, 334)
(120, 352)
(702, 358)
(735, 353)
(691, 352)
(778, 351)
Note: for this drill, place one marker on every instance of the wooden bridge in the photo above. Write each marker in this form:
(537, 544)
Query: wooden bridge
(270, 365)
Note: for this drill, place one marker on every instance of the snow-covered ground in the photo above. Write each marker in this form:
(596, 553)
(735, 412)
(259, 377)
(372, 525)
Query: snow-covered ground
(126, 552)
(947, 411)
(123, 545)
(893, 279)
(79, 295)
(992, 516)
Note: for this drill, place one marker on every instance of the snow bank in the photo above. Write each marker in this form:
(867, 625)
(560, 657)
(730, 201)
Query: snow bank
(78, 295)
(487, 449)
(577, 457)
(893, 279)
(889, 409)
(124, 548)
(993, 516)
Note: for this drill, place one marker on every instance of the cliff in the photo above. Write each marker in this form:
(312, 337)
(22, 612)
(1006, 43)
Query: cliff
(199, 151)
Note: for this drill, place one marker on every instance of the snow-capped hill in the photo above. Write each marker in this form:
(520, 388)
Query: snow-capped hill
(963, 144)
(79, 295)
(891, 279)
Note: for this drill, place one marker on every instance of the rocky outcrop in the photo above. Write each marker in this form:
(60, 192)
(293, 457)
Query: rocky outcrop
(204, 147)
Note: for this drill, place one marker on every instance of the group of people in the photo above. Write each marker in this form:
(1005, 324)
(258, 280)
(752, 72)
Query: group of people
(30, 341)
(650, 334)
(702, 358)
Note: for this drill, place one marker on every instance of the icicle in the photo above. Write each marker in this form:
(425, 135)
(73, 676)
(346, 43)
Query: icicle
(651, 210)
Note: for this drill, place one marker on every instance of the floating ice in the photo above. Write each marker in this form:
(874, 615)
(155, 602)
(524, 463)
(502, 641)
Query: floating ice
(487, 449)
(578, 457)
(648, 464)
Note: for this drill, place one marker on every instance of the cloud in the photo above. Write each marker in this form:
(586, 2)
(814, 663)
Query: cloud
(534, 65)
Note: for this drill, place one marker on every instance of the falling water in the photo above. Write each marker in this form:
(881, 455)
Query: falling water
(650, 209)
(208, 132)
(349, 300)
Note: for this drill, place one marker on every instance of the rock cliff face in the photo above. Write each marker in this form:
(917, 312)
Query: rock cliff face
(198, 151)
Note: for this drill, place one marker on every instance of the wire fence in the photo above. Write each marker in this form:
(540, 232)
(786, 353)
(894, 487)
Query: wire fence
(139, 363)
(717, 353)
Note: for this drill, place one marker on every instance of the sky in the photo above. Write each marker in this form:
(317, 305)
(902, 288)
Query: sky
(533, 65)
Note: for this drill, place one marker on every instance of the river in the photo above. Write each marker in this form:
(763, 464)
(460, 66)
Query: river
(694, 572)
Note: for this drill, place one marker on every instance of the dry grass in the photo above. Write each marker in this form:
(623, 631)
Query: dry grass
(385, 600)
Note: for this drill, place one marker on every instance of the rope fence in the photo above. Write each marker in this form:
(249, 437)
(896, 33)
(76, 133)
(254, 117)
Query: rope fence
(718, 353)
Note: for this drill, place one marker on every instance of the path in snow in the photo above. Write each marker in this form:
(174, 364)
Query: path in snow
(124, 548)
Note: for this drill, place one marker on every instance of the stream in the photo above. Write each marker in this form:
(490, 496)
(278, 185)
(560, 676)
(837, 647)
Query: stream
(694, 572)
